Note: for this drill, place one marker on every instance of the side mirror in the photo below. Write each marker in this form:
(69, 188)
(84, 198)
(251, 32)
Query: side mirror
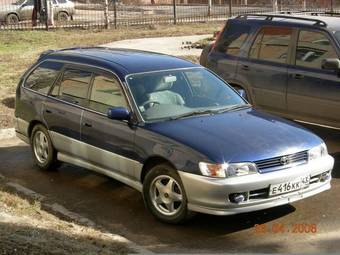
(331, 64)
(118, 113)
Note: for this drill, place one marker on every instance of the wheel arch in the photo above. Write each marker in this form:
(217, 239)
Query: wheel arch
(15, 13)
(238, 84)
(151, 162)
(32, 124)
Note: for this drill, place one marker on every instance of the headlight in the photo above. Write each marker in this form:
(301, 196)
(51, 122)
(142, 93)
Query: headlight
(317, 152)
(227, 170)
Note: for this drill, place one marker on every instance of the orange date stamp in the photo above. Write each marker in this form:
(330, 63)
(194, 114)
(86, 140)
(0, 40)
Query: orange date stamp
(279, 228)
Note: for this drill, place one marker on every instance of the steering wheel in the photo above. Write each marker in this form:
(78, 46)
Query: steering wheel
(149, 102)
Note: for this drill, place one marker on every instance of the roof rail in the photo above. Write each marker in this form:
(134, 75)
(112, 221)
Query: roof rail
(272, 16)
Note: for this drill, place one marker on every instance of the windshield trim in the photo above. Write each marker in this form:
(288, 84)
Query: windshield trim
(172, 69)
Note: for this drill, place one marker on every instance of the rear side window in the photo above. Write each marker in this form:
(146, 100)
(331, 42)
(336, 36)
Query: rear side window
(73, 86)
(106, 92)
(272, 44)
(312, 48)
(43, 77)
(233, 38)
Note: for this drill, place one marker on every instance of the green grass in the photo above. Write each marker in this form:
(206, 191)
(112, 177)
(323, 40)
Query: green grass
(20, 49)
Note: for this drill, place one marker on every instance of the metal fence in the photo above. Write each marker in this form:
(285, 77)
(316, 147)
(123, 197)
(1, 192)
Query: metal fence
(20, 14)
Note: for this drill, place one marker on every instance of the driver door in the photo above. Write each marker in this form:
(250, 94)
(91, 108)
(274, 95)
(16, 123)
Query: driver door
(108, 143)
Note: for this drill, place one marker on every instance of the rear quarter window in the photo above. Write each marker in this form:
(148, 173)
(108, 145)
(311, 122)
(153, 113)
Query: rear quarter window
(233, 38)
(43, 77)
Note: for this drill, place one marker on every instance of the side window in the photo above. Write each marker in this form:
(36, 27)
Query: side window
(106, 92)
(73, 86)
(312, 48)
(43, 77)
(272, 44)
(233, 39)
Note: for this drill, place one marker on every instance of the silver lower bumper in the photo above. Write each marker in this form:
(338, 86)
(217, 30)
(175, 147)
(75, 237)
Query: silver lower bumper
(211, 195)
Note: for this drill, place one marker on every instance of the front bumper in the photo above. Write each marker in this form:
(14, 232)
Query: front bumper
(211, 195)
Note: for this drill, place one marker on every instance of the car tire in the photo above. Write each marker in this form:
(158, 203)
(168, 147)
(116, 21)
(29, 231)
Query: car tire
(44, 154)
(63, 17)
(204, 55)
(12, 19)
(164, 195)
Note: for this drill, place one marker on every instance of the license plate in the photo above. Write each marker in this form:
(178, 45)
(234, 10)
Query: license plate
(291, 186)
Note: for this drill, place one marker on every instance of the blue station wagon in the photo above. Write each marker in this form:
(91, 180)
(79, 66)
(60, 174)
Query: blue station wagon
(169, 128)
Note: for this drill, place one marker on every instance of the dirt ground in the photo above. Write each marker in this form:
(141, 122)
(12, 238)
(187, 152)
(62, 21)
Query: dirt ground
(26, 229)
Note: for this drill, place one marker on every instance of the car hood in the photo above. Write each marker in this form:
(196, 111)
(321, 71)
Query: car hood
(238, 136)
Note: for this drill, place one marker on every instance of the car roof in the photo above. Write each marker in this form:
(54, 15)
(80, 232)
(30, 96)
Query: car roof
(121, 61)
(296, 20)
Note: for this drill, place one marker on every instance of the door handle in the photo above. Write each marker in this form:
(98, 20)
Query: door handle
(298, 76)
(245, 68)
(48, 111)
(86, 124)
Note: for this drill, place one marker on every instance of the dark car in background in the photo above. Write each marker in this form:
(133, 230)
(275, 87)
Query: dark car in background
(167, 127)
(287, 65)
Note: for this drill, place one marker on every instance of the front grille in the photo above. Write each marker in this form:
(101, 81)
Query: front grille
(277, 163)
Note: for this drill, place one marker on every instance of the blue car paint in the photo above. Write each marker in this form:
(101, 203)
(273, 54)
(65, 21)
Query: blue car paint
(240, 135)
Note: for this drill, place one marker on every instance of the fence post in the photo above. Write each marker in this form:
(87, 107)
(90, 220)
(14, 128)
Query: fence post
(46, 3)
(304, 5)
(115, 13)
(175, 14)
(106, 14)
(332, 7)
(230, 8)
(209, 7)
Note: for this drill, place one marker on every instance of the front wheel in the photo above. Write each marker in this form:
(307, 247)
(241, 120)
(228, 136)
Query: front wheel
(165, 196)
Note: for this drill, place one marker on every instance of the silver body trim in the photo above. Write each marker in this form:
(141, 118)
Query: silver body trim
(211, 195)
(85, 155)
(82, 163)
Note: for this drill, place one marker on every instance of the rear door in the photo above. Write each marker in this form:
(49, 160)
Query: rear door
(64, 108)
(26, 10)
(314, 93)
(108, 143)
(266, 68)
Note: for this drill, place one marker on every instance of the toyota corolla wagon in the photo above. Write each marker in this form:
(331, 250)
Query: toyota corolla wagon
(167, 127)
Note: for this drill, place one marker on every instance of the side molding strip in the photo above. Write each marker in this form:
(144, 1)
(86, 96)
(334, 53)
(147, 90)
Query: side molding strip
(82, 163)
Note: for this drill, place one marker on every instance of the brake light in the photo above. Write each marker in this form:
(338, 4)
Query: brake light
(218, 35)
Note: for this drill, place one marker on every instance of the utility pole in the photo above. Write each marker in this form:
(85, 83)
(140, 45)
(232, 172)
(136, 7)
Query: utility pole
(230, 8)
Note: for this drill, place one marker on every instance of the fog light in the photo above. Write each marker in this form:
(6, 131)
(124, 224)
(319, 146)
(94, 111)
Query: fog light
(237, 197)
(325, 176)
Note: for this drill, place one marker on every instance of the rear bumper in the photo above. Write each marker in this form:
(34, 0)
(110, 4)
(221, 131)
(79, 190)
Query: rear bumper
(211, 195)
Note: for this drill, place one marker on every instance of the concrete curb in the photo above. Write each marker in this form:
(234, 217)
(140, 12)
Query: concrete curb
(7, 133)
(63, 213)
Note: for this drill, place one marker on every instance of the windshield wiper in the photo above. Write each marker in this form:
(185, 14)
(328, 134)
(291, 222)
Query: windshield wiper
(195, 113)
(234, 107)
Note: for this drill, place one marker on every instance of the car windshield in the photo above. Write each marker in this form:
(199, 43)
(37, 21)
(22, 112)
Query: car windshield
(182, 93)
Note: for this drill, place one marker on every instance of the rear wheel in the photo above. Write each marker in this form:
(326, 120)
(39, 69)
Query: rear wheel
(44, 154)
(12, 19)
(63, 17)
(165, 196)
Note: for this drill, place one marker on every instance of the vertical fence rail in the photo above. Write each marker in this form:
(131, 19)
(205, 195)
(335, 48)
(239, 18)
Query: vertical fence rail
(174, 11)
